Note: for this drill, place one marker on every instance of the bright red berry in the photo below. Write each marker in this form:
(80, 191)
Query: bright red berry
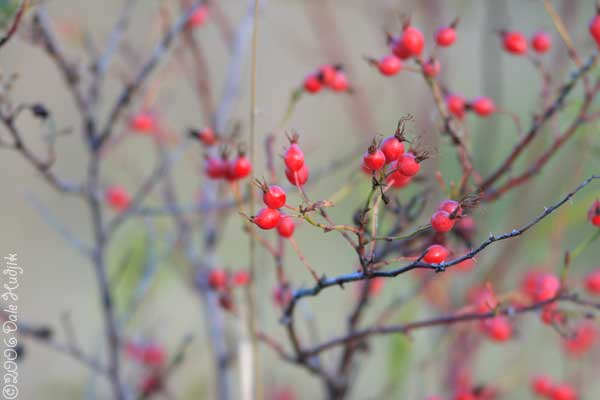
(241, 278)
(327, 74)
(594, 28)
(451, 206)
(239, 168)
(592, 283)
(435, 254)
(400, 50)
(441, 221)
(286, 226)
(541, 42)
(143, 122)
(514, 42)
(541, 286)
(594, 213)
(217, 278)
(542, 385)
(207, 136)
(432, 67)
(563, 391)
(497, 328)
(312, 84)
(392, 148)
(581, 340)
(389, 65)
(294, 157)
(445, 36)
(215, 168)
(483, 106)
(198, 18)
(267, 218)
(117, 197)
(339, 82)
(398, 180)
(297, 178)
(408, 165)
(413, 40)
(456, 105)
(374, 159)
(274, 197)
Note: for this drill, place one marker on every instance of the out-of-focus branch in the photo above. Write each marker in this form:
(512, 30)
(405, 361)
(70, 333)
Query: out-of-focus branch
(15, 24)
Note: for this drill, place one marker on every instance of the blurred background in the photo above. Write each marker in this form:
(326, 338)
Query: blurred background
(294, 38)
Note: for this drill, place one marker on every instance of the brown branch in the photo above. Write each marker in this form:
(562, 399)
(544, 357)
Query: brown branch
(15, 24)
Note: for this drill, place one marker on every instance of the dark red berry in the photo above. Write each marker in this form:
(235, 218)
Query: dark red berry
(445, 36)
(392, 148)
(541, 42)
(408, 164)
(389, 65)
(286, 226)
(239, 168)
(294, 157)
(400, 50)
(441, 221)
(217, 278)
(215, 168)
(267, 218)
(301, 175)
(274, 197)
(374, 159)
(594, 213)
(514, 42)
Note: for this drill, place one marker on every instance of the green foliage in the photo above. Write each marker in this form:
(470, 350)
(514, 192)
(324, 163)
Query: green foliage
(128, 270)
(8, 9)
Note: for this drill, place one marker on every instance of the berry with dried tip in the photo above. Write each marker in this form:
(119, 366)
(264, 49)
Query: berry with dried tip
(514, 42)
(198, 18)
(392, 148)
(542, 385)
(239, 168)
(374, 158)
(408, 164)
(435, 254)
(339, 83)
(274, 197)
(312, 84)
(267, 218)
(594, 213)
(413, 40)
(497, 328)
(451, 207)
(445, 36)
(117, 197)
(294, 157)
(592, 283)
(432, 67)
(215, 168)
(441, 221)
(389, 65)
(541, 42)
(217, 278)
(594, 28)
(286, 226)
(483, 106)
(207, 136)
(297, 178)
(456, 105)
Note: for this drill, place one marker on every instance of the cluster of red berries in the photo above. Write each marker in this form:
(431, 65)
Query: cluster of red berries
(223, 282)
(270, 216)
(230, 170)
(544, 386)
(448, 212)
(515, 42)
(497, 328)
(594, 213)
(296, 171)
(458, 106)
(327, 76)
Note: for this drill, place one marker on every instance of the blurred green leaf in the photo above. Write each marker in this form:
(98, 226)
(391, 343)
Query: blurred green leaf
(8, 9)
(399, 359)
(128, 269)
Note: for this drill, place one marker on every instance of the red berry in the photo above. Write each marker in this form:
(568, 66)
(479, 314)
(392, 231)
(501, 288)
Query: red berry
(451, 206)
(465, 395)
(207, 136)
(432, 67)
(551, 314)
(226, 301)
(389, 65)
(282, 295)
(143, 122)
(581, 340)
(154, 355)
(117, 198)
(398, 180)
(542, 385)
(483, 299)
(595, 29)
(267, 218)
(286, 226)
(312, 84)
(541, 42)
(497, 328)
(241, 278)
(541, 286)
(563, 391)
(483, 106)
(327, 74)
(374, 160)
(239, 168)
(215, 168)
(435, 254)
(594, 213)
(339, 82)
(445, 36)
(400, 50)
(592, 282)
(514, 42)
(392, 148)
(441, 222)
(408, 165)
(150, 385)
(456, 105)
(274, 197)
(413, 40)
(217, 278)
(294, 157)
(198, 18)
(297, 178)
